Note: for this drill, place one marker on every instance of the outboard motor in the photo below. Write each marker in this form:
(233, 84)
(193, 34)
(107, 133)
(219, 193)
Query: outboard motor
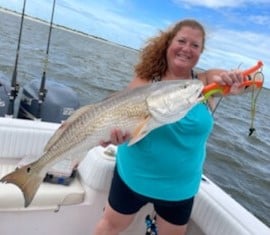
(4, 94)
(59, 103)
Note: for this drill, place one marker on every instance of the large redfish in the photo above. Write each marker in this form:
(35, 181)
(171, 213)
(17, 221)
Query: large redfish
(137, 111)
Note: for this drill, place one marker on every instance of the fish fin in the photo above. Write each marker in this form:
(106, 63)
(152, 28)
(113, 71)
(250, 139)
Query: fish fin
(27, 180)
(64, 126)
(140, 131)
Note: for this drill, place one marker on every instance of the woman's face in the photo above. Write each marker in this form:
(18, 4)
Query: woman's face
(185, 49)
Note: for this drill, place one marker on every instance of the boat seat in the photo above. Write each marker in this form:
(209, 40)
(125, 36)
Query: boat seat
(49, 196)
(24, 138)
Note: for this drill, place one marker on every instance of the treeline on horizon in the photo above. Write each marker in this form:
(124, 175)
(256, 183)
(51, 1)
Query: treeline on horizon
(64, 27)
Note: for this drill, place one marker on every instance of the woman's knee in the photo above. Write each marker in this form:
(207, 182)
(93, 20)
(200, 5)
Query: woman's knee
(105, 227)
(113, 221)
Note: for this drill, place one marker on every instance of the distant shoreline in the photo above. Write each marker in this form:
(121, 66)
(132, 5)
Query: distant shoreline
(38, 20)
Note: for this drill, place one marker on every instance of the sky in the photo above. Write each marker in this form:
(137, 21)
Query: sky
(238, 31)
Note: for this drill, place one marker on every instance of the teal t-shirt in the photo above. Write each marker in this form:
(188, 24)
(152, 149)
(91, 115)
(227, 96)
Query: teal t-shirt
(167, 164)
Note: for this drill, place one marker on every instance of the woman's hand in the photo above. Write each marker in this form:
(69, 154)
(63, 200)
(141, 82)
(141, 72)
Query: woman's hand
(117, 137)
(233, 78)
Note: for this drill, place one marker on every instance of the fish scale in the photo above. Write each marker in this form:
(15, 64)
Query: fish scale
(137, 111)
(93, 120)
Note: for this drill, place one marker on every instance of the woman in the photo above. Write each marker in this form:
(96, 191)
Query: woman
(165, 167)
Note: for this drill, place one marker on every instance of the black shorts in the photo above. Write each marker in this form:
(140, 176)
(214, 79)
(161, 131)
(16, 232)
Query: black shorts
(125, 201)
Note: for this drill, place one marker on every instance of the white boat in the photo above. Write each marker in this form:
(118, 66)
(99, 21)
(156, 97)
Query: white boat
(75, 209)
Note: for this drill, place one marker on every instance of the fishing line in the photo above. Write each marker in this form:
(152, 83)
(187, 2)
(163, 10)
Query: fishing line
(221, 98)
(254, 98)
(217, 105)
(14, 85)
(42, 89)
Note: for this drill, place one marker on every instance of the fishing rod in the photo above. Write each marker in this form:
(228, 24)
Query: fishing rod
(42, 89)
(14, 85)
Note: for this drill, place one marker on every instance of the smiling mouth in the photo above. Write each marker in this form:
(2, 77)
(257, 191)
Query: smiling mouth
(183, 57)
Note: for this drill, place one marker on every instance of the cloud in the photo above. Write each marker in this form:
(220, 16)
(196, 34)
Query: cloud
(219, 3)
(263, 20)
(231, 48)
(105, 21)
(210, 3)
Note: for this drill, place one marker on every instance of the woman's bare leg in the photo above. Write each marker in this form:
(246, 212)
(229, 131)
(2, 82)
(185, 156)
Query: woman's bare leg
(113, 222)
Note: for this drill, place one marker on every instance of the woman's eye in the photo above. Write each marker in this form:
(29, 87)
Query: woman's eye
(181, 41)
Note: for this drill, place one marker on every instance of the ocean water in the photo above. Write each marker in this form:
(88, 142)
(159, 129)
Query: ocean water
(94, 68)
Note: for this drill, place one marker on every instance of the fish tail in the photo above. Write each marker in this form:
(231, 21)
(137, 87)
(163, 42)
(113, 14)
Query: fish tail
(27, 179)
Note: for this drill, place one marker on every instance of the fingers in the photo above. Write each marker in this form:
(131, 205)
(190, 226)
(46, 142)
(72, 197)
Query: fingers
(236, 89)
(117, 137)
(233, 77)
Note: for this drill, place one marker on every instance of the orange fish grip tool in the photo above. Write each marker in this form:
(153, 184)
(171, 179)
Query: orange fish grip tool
(214, 88)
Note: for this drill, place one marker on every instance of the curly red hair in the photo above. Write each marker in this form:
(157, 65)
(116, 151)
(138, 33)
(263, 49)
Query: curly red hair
(153, 62)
